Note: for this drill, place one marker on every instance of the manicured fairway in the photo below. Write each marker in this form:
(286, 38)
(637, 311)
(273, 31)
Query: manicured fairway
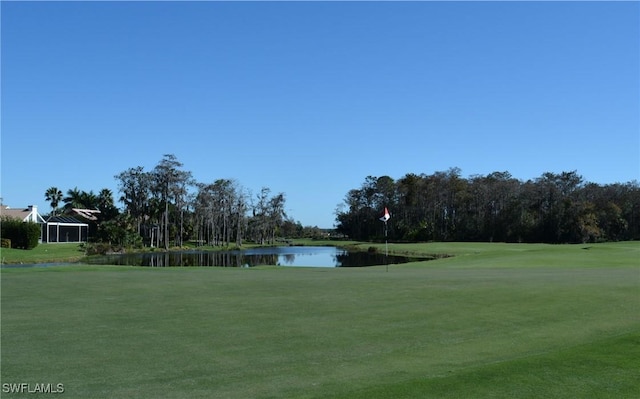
(496, 320)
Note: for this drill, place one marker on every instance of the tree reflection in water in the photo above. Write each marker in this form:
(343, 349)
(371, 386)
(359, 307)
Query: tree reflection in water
(281, 256)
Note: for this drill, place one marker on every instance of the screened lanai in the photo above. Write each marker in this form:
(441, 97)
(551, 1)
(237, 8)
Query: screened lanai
(65, 229)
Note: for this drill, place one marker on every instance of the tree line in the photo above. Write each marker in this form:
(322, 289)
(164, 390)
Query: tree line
(443, 206)
(165, 207)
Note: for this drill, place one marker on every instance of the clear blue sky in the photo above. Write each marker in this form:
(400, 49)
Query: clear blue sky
(309, 98)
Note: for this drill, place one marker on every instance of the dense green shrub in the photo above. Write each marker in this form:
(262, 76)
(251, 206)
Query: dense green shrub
(23, 235)
(119, 233)
(98, 248)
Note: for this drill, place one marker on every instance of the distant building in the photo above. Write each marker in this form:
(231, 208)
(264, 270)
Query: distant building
(55, 229)
(65, 229)
(28, 214)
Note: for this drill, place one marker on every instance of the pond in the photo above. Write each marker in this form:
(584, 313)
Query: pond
(276, 256)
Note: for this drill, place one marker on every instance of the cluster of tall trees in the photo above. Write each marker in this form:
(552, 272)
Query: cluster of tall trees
(166, 206)
(554, 208)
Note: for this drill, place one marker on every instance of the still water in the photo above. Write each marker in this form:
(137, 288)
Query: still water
(277, 256)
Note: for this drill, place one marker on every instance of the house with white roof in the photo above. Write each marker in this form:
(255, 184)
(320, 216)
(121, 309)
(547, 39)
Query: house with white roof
(54, 229)
(28, 214)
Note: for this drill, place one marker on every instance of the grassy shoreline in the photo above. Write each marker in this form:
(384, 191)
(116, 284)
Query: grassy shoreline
(73, 253)
(43, 253)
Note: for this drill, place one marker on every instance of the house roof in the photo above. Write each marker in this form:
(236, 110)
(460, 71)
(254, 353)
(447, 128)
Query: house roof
(64, 219)
(89, 214)
(25, 214)
(14, 213)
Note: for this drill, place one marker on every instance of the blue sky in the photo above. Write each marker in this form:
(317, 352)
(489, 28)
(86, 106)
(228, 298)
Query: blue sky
(309, 98)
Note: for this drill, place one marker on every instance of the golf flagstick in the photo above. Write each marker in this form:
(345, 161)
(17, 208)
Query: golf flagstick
(385, 218)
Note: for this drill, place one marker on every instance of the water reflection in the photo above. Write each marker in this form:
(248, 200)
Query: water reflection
(280, 256)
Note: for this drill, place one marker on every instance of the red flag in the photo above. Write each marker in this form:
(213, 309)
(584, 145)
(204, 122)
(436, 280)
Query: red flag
(386, 215)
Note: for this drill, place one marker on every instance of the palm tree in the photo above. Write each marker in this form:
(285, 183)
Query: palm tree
(54, 196)
(105, 205)
(88, 200)
(80, 199)
(72, 200)
(105, 199)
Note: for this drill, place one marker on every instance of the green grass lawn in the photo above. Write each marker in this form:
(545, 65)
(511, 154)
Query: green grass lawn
(496, 320)
(42, 253)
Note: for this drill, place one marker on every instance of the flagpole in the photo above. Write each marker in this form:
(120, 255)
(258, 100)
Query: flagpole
(386, 247)
(385, 218)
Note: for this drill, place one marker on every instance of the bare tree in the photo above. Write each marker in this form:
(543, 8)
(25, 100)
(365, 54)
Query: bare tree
(170, 182)
(220, 210)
